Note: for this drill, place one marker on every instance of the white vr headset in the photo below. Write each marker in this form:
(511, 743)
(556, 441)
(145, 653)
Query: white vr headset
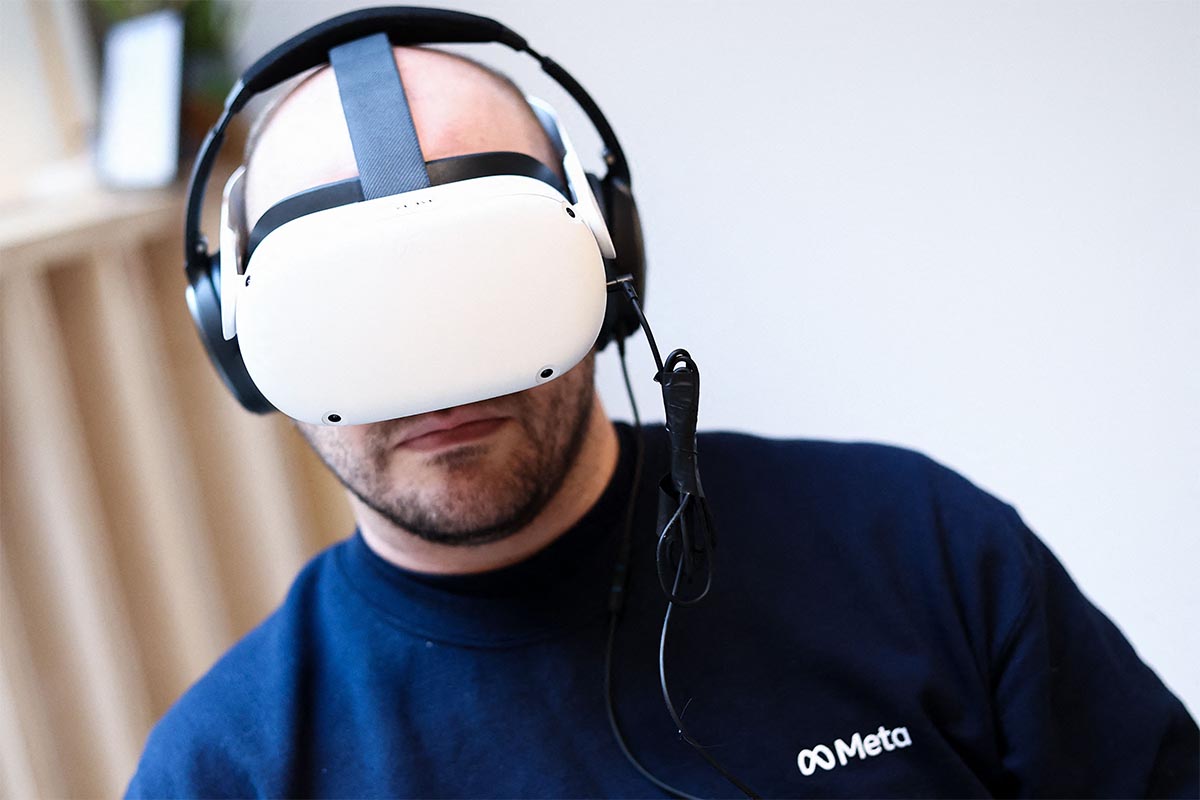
(373, 310)
(415, 286)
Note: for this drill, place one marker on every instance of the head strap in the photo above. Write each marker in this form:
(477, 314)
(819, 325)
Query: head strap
(382, 134)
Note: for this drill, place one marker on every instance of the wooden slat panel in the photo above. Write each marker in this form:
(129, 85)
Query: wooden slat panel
(29, 764)
(329, 517)
(92, 679)
(280, 509)
(129, 478)
(257, 512)
(16, 762)
(145, 472)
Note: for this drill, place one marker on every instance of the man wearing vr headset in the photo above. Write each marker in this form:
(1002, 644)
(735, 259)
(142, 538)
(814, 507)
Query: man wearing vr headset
(477, 486)
(878, 626)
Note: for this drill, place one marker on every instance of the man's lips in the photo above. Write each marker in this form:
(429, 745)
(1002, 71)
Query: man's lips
(456, 427)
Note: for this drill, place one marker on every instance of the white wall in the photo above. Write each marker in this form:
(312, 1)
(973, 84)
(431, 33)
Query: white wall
(968, 229)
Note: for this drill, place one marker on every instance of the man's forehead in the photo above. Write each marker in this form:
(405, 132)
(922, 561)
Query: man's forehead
(458, 107)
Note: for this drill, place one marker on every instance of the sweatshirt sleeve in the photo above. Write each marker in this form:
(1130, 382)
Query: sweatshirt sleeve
(175, 764)
(1079, 714)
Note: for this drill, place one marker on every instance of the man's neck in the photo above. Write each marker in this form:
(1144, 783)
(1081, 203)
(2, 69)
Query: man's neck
(582, 486)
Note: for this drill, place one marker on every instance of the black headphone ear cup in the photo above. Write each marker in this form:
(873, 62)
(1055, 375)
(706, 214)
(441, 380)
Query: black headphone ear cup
(625, 227)
(204, 301)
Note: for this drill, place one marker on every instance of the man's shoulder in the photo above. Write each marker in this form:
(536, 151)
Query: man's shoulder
(233, 714)
(881, 471)
(882, 495)
(848, 458)
(887, 525)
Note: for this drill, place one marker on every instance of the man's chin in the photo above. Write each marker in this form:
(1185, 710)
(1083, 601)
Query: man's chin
(463, 513)
(475, 493)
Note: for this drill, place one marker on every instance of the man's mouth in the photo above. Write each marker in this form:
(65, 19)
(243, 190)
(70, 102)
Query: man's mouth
(449, 429)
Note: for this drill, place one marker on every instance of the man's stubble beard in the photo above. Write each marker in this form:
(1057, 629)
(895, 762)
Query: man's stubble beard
(502, 500)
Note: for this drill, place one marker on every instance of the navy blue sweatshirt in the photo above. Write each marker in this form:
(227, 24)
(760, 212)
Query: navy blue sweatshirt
(878, 627)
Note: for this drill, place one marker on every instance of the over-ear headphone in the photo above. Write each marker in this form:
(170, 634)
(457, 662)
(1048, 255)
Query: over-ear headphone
(403, 26)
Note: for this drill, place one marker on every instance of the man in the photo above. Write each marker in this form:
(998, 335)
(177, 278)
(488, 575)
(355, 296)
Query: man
(878, 626)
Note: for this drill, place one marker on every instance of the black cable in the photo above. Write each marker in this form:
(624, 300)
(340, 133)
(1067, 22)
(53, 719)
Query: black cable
(616, 603)
(617, 596)
(616, 727)
(620, 573)
(665, 541)
(683, 732)
(626, 282)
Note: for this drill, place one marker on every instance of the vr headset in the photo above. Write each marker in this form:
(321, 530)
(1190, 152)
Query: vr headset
(418, 285)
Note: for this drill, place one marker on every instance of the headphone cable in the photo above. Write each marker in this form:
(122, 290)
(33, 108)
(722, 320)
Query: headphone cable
(683, 732)
(617, 592)
(620, 581)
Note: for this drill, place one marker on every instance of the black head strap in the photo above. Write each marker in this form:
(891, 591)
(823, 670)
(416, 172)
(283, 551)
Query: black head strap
(441, 171)
(382, 134)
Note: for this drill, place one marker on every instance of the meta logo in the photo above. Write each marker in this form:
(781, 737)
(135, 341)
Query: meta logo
(860, 746)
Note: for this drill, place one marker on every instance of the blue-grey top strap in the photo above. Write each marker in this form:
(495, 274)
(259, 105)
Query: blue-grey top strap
(381, 128)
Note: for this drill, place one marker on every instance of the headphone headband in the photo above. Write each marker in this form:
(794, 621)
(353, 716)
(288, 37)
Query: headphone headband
(404, 25)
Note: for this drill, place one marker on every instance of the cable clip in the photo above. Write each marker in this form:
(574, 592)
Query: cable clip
(680, 379)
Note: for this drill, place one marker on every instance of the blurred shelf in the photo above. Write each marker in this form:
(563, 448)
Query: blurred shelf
(41, 232)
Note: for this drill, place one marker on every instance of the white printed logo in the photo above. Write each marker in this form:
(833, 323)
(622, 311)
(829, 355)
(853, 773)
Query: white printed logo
(861, 746)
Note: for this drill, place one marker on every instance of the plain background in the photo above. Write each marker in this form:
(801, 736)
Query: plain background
(969, 229)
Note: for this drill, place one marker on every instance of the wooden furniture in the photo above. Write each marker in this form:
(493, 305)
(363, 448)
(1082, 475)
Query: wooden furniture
(146, 521)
